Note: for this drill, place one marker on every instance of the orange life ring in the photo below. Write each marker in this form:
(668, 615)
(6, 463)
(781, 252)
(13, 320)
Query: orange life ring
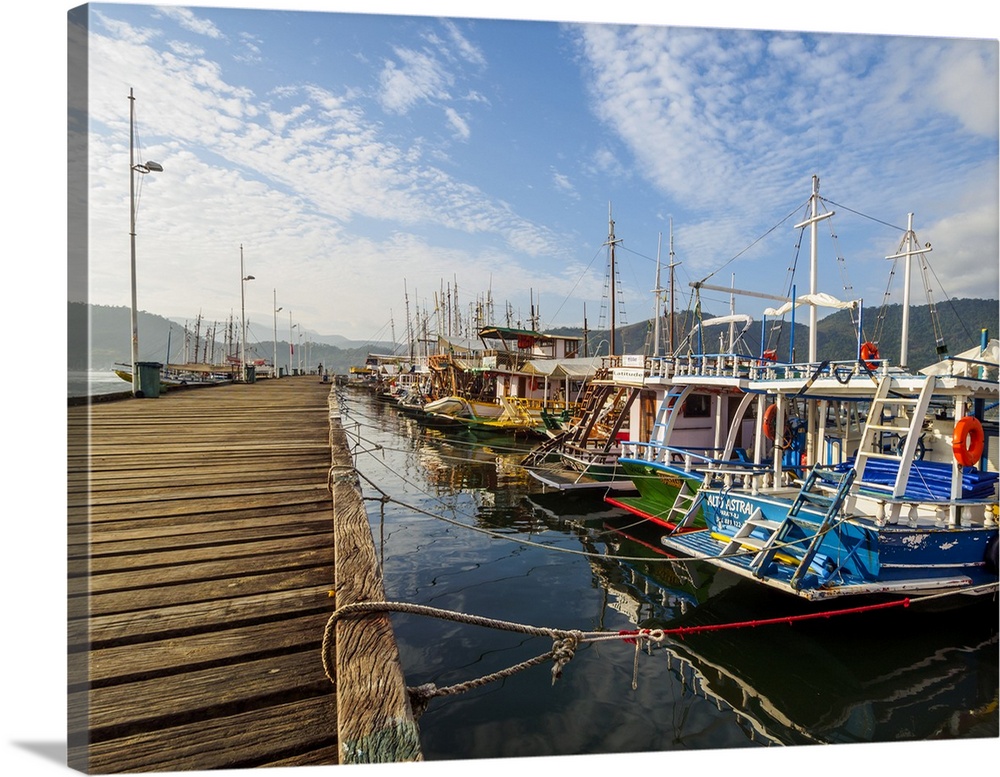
(769, 356)
(869, 351)
(967, 441)
(769, 422)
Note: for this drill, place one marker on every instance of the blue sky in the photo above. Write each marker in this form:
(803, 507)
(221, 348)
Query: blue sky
(360, 157)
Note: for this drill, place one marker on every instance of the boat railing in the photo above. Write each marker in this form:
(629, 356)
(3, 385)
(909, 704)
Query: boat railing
(714, 365)
(704, 463)
(843, 371)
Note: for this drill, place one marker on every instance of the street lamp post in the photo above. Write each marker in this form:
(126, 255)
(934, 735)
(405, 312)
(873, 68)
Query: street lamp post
(243, 317)
(142, 169)
(276, 311)
(291, 348)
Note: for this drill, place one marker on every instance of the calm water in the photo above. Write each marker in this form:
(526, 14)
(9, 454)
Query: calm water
(468, 531)
(84, 383)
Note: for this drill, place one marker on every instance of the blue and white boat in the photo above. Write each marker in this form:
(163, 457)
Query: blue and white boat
(826, 479)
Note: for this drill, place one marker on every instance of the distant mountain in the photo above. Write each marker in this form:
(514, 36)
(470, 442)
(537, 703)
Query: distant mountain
(110, 342)
(960, 322)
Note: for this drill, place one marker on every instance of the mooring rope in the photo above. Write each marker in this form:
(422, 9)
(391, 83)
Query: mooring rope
(564, 641)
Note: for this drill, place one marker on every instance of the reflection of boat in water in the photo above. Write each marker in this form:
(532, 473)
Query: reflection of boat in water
(898, 674)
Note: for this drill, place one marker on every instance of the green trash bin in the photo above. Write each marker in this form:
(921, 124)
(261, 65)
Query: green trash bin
(149, 379)
(251, 373)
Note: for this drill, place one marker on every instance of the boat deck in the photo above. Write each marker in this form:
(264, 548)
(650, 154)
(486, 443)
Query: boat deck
(201, 560)
(554, 475)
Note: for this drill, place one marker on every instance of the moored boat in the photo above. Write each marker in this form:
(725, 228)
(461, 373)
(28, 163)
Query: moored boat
(827, 479)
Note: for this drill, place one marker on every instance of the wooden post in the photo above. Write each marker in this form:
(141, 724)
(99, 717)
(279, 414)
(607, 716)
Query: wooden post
(374, 720)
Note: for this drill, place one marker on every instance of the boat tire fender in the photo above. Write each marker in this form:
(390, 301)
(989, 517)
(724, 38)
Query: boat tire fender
(967, 440)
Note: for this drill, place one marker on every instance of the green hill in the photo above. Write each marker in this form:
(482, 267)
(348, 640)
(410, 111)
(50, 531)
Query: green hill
(960, 322)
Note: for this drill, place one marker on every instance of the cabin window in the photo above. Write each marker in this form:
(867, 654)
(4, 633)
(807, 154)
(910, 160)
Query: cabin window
(698, 406)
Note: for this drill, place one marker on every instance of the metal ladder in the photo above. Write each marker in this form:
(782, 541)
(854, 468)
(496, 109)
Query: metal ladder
(666, 417)
(775, 546)
(686, 504)
(871, 448)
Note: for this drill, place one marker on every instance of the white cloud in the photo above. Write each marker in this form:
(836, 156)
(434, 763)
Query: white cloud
(417, 78)
(460, 125)
(187, 19)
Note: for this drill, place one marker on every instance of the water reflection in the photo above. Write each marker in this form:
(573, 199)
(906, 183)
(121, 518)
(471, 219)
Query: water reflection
(468, 531)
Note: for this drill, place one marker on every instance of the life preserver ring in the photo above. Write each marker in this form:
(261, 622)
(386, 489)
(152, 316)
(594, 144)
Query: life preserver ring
(869, 352)
(769, 356)
(967, 441)
(770, 423)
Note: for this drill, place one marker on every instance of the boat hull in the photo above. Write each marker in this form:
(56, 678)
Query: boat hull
(856, 555)
(658, 488)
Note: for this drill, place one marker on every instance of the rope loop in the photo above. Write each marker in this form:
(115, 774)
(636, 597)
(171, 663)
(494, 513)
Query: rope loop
(563, 650)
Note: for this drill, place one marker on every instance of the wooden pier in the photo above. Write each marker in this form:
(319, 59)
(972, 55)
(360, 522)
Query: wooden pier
(207, 530)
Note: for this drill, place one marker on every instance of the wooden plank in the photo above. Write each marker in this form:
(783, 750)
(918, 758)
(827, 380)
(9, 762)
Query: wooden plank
(137, 707)
(140, 661)
(154, 535)
(190, 557)
(189, 617)
(376, 724)
(205, 591)
(237, 741)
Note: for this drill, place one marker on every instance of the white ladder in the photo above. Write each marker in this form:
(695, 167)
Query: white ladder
(872, 436)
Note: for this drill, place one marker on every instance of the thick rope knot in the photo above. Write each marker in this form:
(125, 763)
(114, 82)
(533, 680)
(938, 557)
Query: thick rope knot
(420, 697)
(563, 650)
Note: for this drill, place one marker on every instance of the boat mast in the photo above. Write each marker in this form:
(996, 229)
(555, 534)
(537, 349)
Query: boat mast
(812, 223)
(911, 251)
(611, 264)
(671, 266)
(656, 301)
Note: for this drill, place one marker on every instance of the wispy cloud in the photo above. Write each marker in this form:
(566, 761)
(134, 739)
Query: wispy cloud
(189, 21)
(414, 77)
(725, 119)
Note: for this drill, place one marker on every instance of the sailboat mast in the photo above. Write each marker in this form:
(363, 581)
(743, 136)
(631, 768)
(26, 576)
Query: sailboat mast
(611, 267)
(670, 325)
(656, 300)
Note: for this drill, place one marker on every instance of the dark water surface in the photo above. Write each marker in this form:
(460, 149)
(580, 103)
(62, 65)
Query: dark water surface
(465, 529)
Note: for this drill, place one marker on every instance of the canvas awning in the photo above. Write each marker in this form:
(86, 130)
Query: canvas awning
(578, 368)
(820, 300)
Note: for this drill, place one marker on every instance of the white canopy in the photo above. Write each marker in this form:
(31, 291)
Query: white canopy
(580, 368)
(819, 300)
(736, 318)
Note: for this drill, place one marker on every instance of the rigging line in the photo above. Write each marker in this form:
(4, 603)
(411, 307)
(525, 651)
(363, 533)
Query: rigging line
(863, 215)
(578, 281)
(498, 535)
(737, 256)
(951, 302)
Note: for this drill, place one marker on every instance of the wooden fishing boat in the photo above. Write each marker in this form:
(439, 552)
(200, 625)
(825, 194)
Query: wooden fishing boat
(826, 479)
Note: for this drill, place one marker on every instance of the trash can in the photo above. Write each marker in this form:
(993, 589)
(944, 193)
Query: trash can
(148, 384)
(251, 373)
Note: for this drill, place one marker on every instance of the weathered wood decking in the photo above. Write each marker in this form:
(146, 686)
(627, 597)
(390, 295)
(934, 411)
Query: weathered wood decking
(201, 559)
